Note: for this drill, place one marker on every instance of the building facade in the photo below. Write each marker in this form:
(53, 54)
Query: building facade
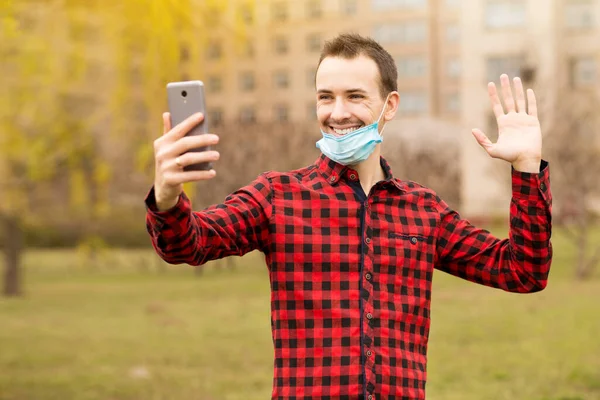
(445, 50)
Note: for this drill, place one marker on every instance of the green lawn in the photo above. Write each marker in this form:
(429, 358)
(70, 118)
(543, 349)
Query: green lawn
(120, 332)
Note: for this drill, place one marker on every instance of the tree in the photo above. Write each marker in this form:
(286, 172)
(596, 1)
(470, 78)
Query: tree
(35, 139)
(59, 118)
(573, 147)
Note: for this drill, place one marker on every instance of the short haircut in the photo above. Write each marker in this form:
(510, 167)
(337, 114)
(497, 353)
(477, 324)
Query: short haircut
(352, 45)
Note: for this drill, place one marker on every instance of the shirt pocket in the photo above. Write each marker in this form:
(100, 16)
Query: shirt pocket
(414, 256)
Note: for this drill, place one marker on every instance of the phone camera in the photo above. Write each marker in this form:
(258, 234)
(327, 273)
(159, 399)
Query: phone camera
(184, 93)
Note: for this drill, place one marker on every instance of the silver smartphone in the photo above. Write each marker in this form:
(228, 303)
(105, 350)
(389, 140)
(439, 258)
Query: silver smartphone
(185, 99)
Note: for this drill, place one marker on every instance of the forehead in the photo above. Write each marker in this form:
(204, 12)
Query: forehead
(337, 73)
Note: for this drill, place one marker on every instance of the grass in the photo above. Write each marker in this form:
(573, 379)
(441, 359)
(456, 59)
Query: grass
(124, 332)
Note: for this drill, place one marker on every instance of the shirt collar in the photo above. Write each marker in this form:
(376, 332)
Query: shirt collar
(332, 171)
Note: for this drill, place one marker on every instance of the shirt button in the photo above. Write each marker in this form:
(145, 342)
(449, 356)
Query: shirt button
(370, 397)
(368, 276)
(368, 240)
(543, 186)
(353, 177)
(413, 240)
(369, 353)
(332, 179)
(369, 316)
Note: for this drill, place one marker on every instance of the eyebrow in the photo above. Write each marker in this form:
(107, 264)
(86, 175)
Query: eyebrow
(357, 90)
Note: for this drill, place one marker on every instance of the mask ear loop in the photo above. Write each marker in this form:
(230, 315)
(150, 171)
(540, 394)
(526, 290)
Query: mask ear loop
(381, 115)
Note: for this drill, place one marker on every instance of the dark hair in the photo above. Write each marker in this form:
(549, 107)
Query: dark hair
(352, 45)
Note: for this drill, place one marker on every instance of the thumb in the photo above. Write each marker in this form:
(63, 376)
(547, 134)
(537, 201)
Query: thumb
(166, 122)
(483, 141)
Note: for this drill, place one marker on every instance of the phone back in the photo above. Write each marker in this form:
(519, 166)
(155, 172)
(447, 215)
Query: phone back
(185, 99)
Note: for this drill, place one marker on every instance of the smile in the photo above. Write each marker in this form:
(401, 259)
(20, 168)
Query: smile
(345, 131)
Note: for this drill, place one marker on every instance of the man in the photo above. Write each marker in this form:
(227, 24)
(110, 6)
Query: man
(350, 249)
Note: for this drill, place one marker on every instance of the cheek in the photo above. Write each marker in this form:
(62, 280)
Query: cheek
(323, 112)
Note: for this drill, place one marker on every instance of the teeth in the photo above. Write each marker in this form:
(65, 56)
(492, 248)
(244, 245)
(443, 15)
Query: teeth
(344, 131)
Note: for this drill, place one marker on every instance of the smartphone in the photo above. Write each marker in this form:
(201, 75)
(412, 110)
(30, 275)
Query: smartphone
(187, 98)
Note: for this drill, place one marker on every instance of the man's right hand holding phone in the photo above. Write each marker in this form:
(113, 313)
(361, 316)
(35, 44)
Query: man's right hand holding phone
(171, 154)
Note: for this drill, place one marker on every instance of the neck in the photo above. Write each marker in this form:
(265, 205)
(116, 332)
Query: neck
(370, 171)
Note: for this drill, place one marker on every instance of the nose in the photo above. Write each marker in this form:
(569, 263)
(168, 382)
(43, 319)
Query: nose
(339, 111)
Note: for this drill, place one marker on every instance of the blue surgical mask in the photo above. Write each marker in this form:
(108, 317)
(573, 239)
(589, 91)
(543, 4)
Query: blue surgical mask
(354, 147)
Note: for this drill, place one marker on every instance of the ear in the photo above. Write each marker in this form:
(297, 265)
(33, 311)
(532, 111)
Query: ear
(392, 104)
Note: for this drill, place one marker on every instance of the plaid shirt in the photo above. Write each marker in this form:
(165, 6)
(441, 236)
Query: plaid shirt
(351, 274)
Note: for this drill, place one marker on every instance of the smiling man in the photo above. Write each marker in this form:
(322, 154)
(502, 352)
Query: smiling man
(350, 248)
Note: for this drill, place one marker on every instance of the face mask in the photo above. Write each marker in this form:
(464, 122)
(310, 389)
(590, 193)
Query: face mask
(353, 147)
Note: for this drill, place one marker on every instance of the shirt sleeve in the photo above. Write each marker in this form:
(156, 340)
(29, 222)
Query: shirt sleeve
(520, 263)
(235, 227)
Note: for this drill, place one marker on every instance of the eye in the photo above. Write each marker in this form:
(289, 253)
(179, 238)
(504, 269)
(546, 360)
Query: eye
(324, 97)
(355, 96)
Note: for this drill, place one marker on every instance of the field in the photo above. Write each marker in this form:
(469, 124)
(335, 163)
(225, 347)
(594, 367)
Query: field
(122, 332)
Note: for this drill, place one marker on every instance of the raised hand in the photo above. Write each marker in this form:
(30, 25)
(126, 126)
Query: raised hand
(519, 133)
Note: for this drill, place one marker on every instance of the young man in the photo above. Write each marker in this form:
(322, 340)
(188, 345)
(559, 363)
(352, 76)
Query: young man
(350, 249)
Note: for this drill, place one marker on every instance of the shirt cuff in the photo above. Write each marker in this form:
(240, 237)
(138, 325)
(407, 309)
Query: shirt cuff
(159, 217)
(532, 186)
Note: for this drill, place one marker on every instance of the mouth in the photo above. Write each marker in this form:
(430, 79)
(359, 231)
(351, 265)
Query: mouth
(345, 130)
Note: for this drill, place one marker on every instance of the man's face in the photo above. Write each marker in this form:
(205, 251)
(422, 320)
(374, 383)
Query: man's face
(348, 95)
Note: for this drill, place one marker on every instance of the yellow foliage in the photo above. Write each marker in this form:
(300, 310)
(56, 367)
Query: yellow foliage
(49, 53)
(79, 195)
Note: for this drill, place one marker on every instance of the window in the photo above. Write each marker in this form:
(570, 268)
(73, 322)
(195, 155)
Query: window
(453, 102)
(381, 5)
(248, 49)
(247, 83)
(580, 14)
(584, 71)
(246, 13)
(281, 45)
(411, 66)
(311, 75)
(314, 9)
(280, 79)
(413, 103)
(281, 113)
(248, 115)
(452, 33)
(214, 84)
(279, 11)
(407, 32)
(214, 50)
(313, 42)
(505, 13)
(510, 65)
(349, 7)
(453, 68)
(215, 117)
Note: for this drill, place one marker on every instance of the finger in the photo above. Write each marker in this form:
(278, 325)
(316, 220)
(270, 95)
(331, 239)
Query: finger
(520, 95)
(509, 101)
(180, 177)
(495, 100)
(197, 157)
(483, 141)
(188, 143)
(532, 102)
(166, 122)
(180, 130)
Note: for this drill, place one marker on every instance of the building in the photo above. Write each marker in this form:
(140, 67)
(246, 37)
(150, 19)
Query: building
(446, 52)
(551, 44)
(269, 75)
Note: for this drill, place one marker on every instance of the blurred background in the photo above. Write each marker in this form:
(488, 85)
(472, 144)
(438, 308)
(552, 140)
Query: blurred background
(90, 312)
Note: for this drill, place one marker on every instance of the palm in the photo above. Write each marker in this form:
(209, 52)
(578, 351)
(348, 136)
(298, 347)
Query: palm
(519, 132)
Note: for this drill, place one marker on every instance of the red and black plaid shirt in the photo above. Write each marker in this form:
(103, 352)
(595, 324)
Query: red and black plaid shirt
(351, 274)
